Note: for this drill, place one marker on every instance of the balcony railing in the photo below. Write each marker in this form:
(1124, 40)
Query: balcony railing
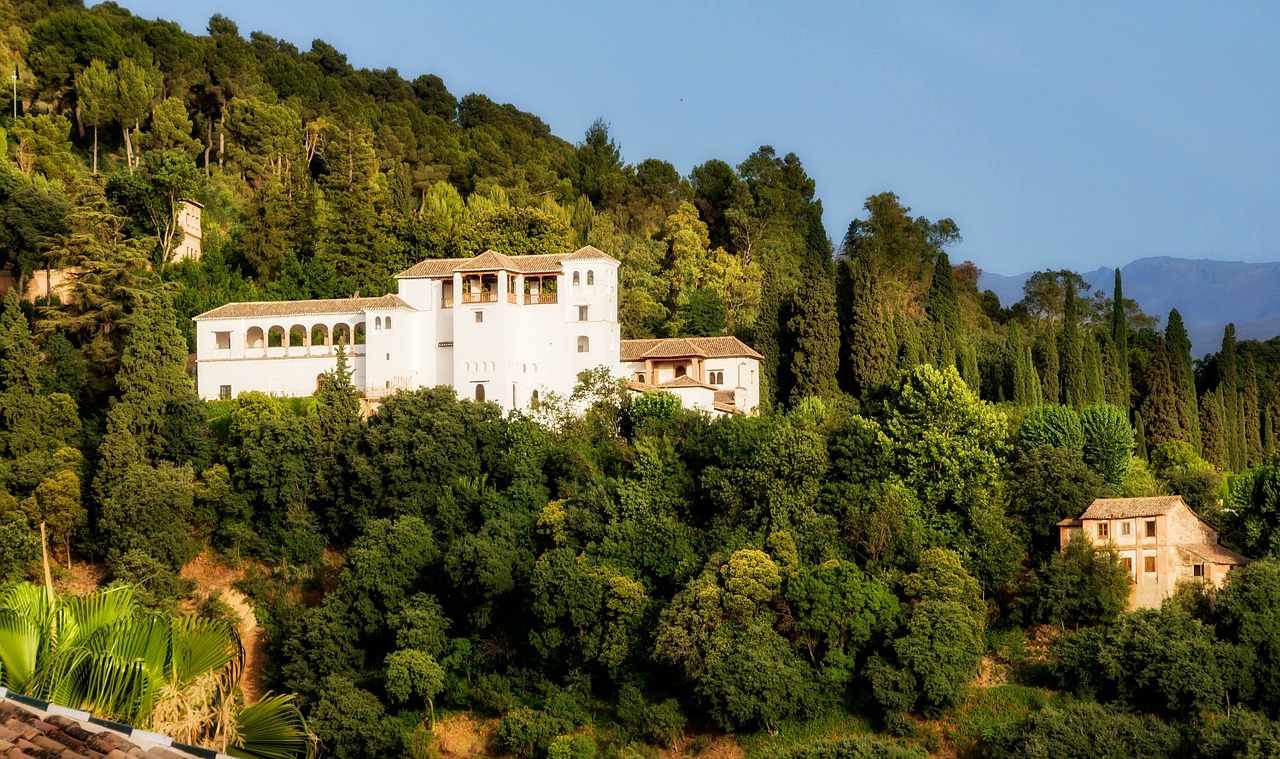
(446, 303)
(480, 297)
(533, 298)
(511, 297)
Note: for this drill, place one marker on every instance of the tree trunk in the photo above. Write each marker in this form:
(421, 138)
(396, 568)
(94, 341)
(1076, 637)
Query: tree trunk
(128, 146)
(95, 150)
(222, 138)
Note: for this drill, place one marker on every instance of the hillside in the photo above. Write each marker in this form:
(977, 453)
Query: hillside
(1209, 294)
(870, 566)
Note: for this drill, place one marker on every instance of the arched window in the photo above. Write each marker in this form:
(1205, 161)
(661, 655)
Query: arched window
(584, 344)
(576, 281)
(480, 393)
(591, 277)
(253, 338)
(533, 401)
(319, 381)
(680, 370)
(275, 337)
(319, 335)
(297, 336)
(377, 322)
(387, 323)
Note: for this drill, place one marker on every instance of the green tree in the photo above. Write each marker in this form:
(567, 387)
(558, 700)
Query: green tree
(1212, 432)
(814, 328)
(1045, 486)
(867, 353)
(1178, 344)
(56, 502)
(1252, 419)
(414, 674)
(1051, 425)
(1074, 390)
(1120, 339)
(1108, 442)
(98, 92)
(1083, 584)
(138, 86)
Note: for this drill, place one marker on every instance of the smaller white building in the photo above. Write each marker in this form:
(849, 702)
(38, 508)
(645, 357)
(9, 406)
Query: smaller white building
(711, 374)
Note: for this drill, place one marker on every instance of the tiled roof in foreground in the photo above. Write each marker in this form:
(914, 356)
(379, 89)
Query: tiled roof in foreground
(269, 308)
(34, 728)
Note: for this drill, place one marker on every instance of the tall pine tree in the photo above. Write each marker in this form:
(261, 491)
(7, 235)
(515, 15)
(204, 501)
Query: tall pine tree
(1178, 344)
(1048, 365)
(1252, 415)
(1120, 341)
(1229, 393)
(813, 327)
(1212, 432)
(1074, 389)
(868, 354)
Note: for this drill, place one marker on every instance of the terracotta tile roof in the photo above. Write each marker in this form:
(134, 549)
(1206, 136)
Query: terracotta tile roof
(1069, 522)
(725, 408)
(1128, 508)
(685, 381)
(492, 261)
(37, 729)
(684, 347)
(588, 253)
(487, 261)
(268, 308)
(1214, 553)
(726, 396)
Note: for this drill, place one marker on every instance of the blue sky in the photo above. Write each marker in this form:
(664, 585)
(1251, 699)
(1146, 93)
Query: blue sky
(1074, 136)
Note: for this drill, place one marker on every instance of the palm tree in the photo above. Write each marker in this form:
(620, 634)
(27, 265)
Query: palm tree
(179, 676)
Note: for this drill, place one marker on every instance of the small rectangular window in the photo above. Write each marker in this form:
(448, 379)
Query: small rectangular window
(1103, 530)
(224, 392)
(640, 377)
(582, 313)
(1149, 564)
(1128, 563)
(388, 356)
(479, 316)
(1125, 528)
(1197, 570)
(1151, 528)
(222, 340)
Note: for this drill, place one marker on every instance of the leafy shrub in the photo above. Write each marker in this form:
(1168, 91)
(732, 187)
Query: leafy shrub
(529, 733)
(1081, 730)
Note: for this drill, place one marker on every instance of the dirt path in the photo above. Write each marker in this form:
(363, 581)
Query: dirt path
(210, 577)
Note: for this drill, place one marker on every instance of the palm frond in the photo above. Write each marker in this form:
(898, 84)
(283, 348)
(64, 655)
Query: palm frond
(272, 728)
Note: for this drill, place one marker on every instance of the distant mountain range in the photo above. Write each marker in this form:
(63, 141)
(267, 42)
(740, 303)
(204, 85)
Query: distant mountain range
(1208, 294)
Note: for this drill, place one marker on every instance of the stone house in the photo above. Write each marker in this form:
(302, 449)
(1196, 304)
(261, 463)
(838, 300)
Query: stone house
(1161, 541)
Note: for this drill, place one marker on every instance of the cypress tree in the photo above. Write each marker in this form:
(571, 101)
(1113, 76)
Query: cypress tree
(1159, 405)
(1093, 383)
(1178, 343)
(1073, 375)
(1047, 364)
(1229, 393)
(815, 334)
(869, 353)
(1139, 436)
(1018, 368)
(1120, 341)
(766, 336)
(1252, 414)
(814, 326)
(911, 349)
(947, 344)
(1211, 431)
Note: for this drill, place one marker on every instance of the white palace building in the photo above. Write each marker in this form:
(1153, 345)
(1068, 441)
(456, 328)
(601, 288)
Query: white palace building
(498, 328)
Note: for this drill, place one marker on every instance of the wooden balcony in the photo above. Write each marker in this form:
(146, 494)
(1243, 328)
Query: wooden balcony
(511, 297)
(535, 298)
(489, 297)
(446, 303)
